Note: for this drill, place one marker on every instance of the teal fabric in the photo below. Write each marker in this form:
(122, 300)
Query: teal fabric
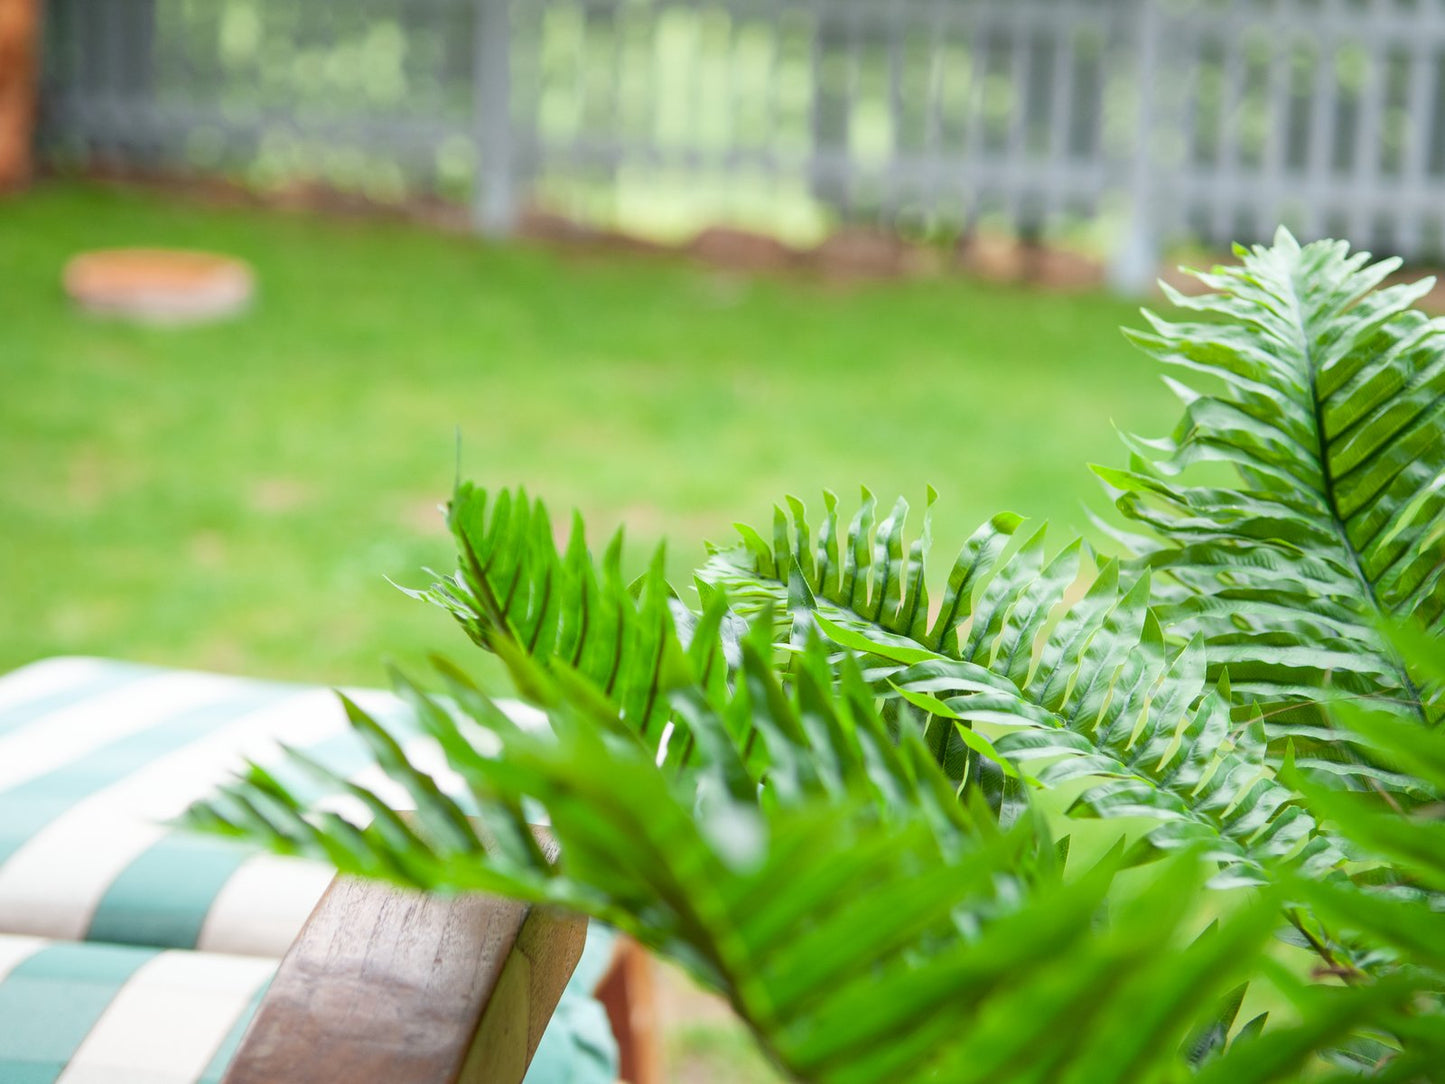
(112, 677)
(192, 869)
(29, 807)
(578, 1046)
(162, 896)
(49, 1003)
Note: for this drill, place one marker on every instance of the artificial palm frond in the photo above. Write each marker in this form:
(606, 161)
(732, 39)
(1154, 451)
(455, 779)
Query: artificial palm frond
(1331, 405)
(863, 923)
(833, 797)
(1006, 671)
(515, 589)
(1402, 920)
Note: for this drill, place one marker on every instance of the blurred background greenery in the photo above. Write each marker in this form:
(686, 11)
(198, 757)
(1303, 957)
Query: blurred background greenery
(234, 496)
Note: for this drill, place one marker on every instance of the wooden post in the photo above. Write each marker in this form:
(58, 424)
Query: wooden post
(19, 63)
(628, 994)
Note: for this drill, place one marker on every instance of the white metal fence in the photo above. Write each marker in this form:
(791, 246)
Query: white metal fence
(1145, 121)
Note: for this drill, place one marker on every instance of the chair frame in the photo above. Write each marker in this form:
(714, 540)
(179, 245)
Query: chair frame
(392, 986)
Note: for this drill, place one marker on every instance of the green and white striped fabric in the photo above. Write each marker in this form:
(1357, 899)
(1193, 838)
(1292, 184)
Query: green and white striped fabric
(120, 1014)
(95, 757)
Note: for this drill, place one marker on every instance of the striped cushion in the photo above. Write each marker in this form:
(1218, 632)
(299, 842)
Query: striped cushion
(76, 1013)
(95, 756)
(119, 1014)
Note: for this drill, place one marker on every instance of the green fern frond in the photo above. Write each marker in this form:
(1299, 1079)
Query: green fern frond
(1400, 918)
(516, 591)
(832, 793)
(863, 923)
(1332, 408)
(1011, 669)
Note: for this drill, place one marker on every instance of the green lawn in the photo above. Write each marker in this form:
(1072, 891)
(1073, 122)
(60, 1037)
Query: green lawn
(234, 496)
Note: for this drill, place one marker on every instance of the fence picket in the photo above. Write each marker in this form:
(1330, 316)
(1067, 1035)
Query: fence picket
(1365, 154)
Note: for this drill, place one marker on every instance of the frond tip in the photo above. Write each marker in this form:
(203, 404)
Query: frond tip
(1332, 412)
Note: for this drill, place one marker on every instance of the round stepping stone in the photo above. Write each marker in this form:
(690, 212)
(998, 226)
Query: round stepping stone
(159, 285)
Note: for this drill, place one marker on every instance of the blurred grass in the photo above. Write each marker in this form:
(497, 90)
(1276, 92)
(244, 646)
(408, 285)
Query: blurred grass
(233, 496)
(716, 1054)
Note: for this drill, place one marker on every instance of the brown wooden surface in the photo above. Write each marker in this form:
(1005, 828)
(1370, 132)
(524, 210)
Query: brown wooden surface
(19, 53)
(629, 994)
(166, 285)
(390, 986)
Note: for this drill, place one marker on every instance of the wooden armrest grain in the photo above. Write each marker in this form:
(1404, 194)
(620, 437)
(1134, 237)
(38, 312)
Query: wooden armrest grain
(390, 986)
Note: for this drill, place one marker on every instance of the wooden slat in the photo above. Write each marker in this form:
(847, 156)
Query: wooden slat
(391, 986)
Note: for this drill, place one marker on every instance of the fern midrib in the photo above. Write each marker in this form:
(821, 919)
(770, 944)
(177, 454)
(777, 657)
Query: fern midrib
(1321, 451)
(1026, 695)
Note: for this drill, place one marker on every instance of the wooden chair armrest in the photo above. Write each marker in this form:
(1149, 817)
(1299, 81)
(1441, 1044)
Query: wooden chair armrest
(390, 986)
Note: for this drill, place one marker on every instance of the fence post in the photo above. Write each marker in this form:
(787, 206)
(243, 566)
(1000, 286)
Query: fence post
(1135, 261)
(19, 66)
(494, 198)
(835, 38)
